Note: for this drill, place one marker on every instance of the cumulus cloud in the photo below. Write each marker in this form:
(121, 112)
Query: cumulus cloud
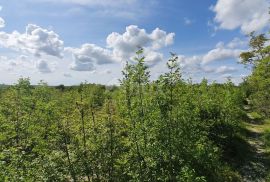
(121, 47)
(125, 45)
(220, 53)
(248, 15)
(190, 64)
(43, 67)
(79, 65)
(237, 43)
(152, 58)
(40, 42)
(92, 53)
(225, 69)
(88, 55)
(159, 39)
(16, 63)
(35, 40)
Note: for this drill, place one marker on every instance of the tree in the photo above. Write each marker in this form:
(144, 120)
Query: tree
(135, 85)
(167, 102)
(258, 50)
(259, 80)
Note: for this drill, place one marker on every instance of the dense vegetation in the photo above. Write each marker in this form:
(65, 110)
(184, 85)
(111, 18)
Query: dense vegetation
(257, 85)
(169, 129)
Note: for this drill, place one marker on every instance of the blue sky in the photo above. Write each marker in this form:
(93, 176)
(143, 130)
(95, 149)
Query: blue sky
(71, 41)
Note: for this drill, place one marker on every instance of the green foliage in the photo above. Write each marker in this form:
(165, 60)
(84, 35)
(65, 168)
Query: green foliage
(255, 116)
(268, 178)
(162, 130)
(258, 83)
(266, 138)
(258, 50)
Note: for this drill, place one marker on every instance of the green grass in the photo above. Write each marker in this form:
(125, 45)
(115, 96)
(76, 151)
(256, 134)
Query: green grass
(253, 133)
(263, 129)
(266, 135)
(259, 128)
(255, 116)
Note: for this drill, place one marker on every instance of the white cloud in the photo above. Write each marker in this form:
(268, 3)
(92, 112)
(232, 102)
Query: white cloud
(152, 58)
(248, 15)
(121, 47)
(79, 65)
(198, 64)
(225, 69)
(161, 39)
(43, 67)
(237, 43)
(125, 45)
(40, 42)
(16, 63)
(35, 40)
(88, 55)
(219, 70)
(220, 53)
(190, 63)
(92, 53)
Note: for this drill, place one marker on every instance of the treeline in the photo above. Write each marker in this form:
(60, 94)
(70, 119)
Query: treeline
(169, 129)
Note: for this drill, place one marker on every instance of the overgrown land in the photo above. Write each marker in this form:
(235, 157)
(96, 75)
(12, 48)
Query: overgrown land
(169, 129)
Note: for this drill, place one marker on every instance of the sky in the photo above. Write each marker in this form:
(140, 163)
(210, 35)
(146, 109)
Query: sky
(72, 41)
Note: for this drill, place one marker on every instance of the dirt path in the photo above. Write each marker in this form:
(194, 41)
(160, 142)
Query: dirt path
(256, 167)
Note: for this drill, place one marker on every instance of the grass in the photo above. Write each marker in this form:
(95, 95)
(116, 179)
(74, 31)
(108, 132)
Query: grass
(254, 116)
(261, 127)
(266, 135)
(252, 149)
